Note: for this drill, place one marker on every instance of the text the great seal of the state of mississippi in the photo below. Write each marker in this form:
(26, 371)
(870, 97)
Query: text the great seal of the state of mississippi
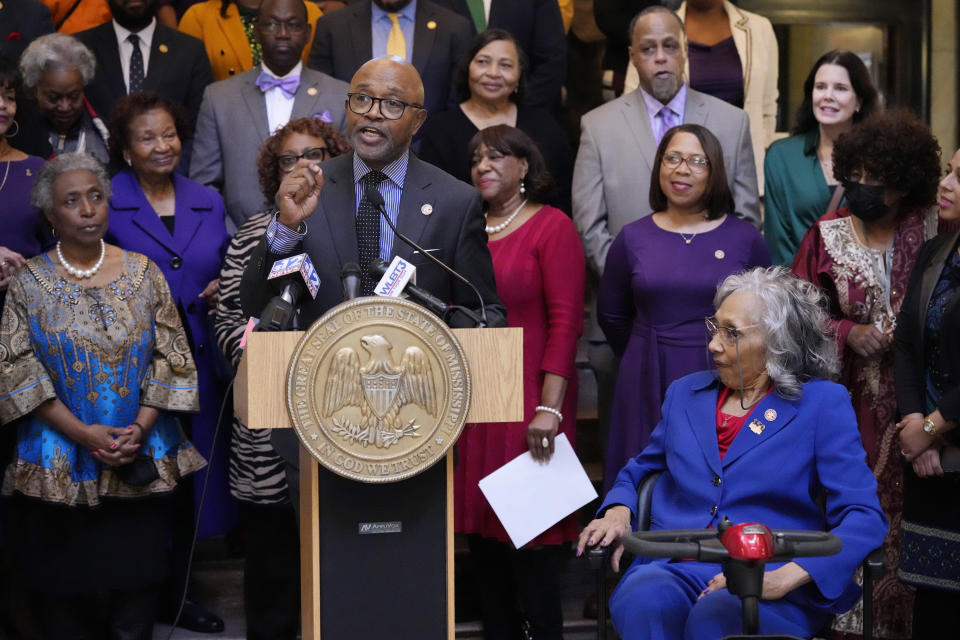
(378, 389)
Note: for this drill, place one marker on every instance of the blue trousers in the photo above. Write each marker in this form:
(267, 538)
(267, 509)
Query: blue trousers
(658, 601)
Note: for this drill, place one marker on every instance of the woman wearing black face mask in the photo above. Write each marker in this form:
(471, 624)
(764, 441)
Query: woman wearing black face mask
(862, 256)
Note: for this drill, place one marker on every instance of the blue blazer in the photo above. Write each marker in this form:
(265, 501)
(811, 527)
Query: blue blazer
(806, 469)
(190, 257)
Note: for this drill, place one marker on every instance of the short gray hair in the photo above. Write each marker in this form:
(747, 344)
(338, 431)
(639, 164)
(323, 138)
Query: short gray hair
(41, 196)
(52, 52)
(656, 8)
(800, 345)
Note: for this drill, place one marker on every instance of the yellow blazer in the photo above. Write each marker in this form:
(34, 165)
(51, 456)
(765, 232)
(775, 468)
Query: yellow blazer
(226, 43)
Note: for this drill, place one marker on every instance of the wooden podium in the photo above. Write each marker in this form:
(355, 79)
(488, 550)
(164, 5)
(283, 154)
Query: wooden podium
(330, 529)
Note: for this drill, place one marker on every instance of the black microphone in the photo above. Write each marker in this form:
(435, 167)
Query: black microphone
(379, 267)
(350, 278)
(373, 195)
(293, 277)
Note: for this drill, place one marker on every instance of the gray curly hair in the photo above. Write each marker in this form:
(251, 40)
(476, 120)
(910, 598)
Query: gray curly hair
(41, 196)
(799, 345)
(53, 52)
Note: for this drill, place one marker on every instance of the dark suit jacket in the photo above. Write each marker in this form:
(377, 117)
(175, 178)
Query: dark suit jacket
(910, 366)
(342, 42)
(538, 26)
(454, 231)
(806, 448)
(22, 22)
(178, 69)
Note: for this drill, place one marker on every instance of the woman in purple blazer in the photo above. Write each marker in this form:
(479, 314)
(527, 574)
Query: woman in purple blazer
(766, 439)
(178, 224)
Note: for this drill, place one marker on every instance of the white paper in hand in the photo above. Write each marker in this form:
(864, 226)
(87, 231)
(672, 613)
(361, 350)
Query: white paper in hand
(530, 497)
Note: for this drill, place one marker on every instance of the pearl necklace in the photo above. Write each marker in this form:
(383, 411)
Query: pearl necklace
(506, 223)
(80, 274)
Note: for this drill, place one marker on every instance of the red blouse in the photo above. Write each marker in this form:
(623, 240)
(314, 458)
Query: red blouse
(728, 426)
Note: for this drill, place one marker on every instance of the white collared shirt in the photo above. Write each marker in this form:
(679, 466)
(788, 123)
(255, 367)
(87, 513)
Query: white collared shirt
(126, 49)
(279, 106)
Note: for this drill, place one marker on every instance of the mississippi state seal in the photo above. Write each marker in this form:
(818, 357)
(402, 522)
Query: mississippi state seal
(378, 389)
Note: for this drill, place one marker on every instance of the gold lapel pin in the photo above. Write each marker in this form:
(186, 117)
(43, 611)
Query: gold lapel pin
(426, 209)
(757, 427)
(431, 25)
(163, 48)
(770, 415)
(719, 254)
(312, 91)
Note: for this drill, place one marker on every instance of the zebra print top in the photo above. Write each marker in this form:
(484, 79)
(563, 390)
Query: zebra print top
(256, 471)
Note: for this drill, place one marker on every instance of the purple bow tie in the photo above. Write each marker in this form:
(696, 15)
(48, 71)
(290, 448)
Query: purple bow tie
(287, 85)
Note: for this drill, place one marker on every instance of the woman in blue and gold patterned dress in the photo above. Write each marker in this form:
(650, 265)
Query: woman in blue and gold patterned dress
(94, 363)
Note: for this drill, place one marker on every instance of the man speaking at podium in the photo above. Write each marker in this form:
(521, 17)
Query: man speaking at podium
(323, 210)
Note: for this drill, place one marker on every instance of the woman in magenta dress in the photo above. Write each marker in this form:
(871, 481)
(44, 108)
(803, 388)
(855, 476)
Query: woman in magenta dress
(862, 256)
(659, 279)
(540, 273)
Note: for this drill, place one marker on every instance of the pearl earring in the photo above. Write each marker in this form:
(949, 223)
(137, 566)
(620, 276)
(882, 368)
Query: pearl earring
(523, 189)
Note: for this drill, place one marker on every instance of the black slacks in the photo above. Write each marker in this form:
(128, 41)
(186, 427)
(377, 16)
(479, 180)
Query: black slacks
(271, 572)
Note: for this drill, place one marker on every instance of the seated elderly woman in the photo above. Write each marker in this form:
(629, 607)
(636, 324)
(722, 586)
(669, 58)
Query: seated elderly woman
(57, 117)
(93, 364)
(766, 439)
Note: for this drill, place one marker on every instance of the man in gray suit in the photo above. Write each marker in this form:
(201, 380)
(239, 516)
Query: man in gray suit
(618, 143)
(238, 114)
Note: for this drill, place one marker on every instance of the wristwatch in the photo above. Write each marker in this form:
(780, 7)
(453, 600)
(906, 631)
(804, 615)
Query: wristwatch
(928, 427)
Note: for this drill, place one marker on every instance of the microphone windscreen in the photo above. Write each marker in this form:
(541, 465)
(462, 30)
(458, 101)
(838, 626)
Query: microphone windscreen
(351, 269)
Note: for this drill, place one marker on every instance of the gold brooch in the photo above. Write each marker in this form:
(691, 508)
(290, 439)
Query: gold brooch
(312, 91)
(757, 427)
(431, 25)
(163, 48)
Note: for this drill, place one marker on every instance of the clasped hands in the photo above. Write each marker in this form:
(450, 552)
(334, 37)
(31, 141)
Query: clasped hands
(921, 449)
(868, 341)
(113, 446)
(299, 194)
(615, 525)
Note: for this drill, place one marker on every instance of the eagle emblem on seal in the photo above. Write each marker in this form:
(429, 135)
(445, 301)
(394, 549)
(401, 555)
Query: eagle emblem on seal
(380, 389)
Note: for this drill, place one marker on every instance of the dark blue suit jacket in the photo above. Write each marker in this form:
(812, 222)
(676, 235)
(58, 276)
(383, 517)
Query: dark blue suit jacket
(190, 258)
(806, 469)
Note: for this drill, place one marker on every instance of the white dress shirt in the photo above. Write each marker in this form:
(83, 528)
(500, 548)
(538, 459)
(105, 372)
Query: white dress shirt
(279, 106)
(126, 49)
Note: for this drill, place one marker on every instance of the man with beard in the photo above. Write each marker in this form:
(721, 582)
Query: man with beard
(135, 53)
(429, 36)
(618, 143)
(238, 114)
